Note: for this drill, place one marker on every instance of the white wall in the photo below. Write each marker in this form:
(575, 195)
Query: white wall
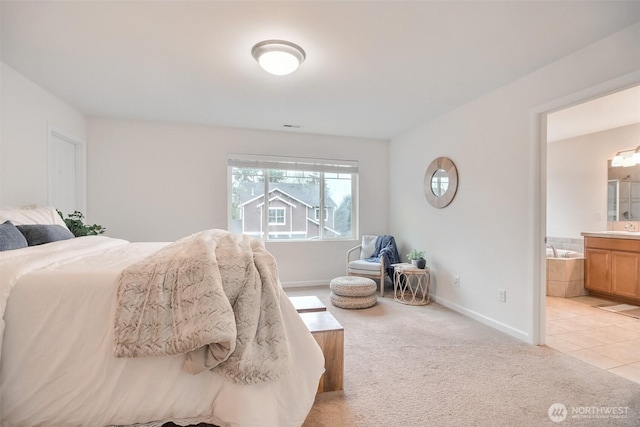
(577, 179)
(27, 112)
(1, 131)
(151, 181)
(488, 234)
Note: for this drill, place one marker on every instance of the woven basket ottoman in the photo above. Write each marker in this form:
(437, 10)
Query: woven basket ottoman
(353, 292)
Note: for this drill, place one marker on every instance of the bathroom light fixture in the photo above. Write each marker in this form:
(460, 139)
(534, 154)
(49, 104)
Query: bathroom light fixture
(617, 160)
(626, 158)
(278, 57)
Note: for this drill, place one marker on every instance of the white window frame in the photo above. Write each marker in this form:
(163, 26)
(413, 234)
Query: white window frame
(277, 216)
(267, 163)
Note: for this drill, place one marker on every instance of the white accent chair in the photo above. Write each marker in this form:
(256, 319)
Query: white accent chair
(360, 267)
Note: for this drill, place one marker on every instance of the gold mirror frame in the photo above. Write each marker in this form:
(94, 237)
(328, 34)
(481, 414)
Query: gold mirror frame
(445, 164)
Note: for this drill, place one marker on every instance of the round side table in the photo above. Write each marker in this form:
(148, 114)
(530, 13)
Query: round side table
(411, 284)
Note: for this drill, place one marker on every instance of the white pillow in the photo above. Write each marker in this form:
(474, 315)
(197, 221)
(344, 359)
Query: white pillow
(24, 216)
(368, 246)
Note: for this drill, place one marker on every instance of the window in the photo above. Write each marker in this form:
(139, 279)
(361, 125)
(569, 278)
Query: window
(294, 191)
(276, 216)
(317, 214)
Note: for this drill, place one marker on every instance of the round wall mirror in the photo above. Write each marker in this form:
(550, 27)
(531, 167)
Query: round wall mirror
(440, 182)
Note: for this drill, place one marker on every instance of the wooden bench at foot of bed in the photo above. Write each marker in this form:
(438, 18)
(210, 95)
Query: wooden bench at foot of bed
(329, 334)
(305, 304)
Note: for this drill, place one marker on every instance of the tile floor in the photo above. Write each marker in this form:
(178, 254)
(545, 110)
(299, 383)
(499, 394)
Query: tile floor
(607, 340)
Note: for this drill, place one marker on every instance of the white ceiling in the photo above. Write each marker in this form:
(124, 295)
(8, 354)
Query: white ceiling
(607, 112)
(374, 68)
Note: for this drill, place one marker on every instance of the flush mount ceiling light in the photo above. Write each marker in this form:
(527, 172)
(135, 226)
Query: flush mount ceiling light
(278, 57)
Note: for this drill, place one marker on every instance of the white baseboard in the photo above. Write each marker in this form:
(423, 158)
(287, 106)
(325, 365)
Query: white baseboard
(516, 333)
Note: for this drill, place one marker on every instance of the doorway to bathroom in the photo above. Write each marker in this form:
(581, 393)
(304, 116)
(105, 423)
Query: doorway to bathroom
(581, 142)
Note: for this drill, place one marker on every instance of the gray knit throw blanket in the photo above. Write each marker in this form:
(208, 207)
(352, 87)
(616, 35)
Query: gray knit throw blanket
(212, 296)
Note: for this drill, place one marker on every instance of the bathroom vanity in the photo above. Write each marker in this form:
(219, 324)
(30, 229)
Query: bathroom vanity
(612, 264)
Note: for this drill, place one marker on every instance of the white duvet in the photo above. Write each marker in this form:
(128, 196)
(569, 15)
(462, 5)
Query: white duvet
(56, 362)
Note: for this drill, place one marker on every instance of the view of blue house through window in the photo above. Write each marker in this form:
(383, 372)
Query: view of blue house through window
(281, 198)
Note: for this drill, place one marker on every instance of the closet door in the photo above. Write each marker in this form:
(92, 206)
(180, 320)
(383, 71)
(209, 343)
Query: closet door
(63, 173)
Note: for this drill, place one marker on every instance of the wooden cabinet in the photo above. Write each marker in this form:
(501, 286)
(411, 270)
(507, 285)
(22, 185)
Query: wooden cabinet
(612, 267)
(625, 270)
(597, 268)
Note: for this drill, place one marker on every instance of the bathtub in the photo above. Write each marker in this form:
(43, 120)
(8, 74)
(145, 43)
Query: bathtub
(565, 273)
(563, 253)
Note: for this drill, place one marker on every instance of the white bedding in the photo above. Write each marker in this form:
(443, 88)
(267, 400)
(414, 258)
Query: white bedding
(57, 365)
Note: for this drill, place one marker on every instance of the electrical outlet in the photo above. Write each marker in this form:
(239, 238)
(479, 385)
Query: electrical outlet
(502, 295)
(456, 281)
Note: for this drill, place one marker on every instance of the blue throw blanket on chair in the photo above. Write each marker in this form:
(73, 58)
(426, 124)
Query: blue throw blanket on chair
(386, 248)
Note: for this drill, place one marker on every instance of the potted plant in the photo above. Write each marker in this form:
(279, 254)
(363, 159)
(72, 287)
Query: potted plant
(75, 223)
(417, 258)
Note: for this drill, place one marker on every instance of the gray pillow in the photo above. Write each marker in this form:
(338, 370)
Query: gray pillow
(38, 234)
(10, 237)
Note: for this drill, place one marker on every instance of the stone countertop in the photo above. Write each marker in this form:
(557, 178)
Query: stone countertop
(631, 235)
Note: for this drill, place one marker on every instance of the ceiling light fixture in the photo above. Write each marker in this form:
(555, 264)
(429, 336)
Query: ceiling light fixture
(278, 57)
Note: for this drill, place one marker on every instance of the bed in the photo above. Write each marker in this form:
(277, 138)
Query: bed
(57, 363)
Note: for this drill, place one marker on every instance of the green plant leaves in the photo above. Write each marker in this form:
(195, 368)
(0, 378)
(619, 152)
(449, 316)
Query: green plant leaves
(75, 223)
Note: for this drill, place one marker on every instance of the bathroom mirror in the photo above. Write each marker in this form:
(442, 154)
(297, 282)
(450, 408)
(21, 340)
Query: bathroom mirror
(440, 182)
(623, 193)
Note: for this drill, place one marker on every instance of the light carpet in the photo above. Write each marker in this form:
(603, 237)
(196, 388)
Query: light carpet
(430, 366)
